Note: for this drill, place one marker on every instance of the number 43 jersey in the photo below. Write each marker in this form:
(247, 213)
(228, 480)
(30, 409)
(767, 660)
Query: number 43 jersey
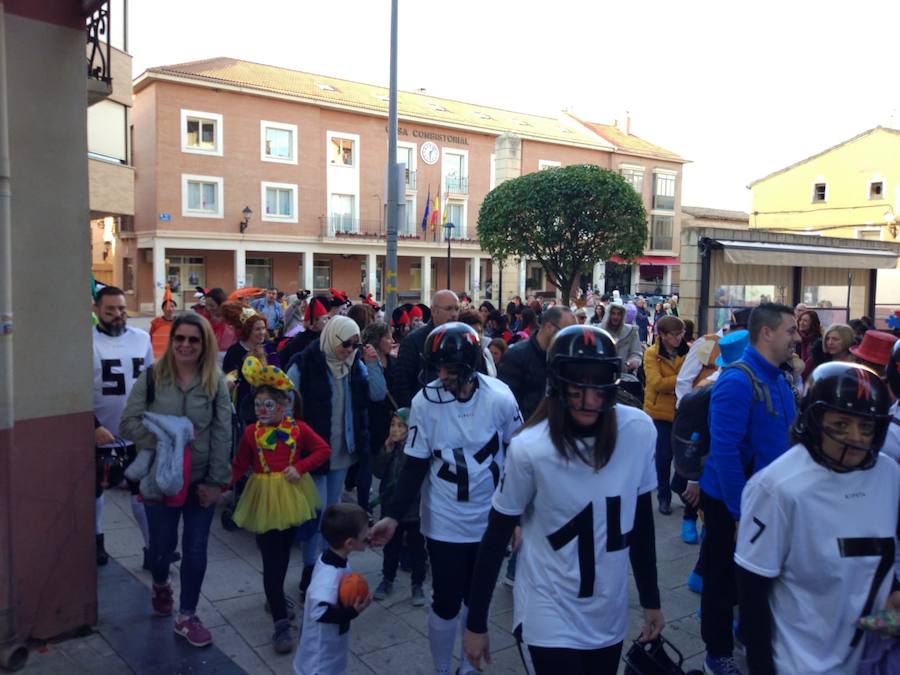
(118, 361)
(571, 587)
(466, 443)
(828, 540)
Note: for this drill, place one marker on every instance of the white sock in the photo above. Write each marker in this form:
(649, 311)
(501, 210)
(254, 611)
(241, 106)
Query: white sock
(441, 636)
(465, 666)
(140, 515)
(98, 515)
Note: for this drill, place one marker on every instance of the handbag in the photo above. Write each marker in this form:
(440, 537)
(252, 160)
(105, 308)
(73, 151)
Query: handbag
(650, 658)
(110, 465)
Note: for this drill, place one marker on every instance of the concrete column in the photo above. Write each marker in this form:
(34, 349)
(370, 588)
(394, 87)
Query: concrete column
(426, 279)
(599, 280)
(240, 267)
(308, 260)
(522, 279)
(159, 274)
(371, 273)
(476, 278)
(635, 278)
(667, 280)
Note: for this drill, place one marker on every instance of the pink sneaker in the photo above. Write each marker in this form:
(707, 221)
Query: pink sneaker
(193, 630)
(162, 599)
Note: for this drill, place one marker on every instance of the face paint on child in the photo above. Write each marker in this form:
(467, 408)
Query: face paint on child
(268, 409)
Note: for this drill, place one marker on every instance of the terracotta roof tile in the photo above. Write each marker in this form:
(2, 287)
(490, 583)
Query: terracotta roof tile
(629, 142)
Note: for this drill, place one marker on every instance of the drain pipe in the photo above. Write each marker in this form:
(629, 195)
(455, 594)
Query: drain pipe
(13, 654)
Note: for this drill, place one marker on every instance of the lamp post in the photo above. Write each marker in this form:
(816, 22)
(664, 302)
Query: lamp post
(448, 229)
(247, 213)
(892, 220)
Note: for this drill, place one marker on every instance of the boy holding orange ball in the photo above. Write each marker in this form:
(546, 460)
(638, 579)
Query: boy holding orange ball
(325, 638)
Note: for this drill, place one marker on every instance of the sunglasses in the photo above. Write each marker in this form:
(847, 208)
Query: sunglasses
(193, 339)
(348, 344)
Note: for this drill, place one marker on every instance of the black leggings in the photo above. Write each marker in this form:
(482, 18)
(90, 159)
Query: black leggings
(451, 575)
(275, 546)
(554, 660)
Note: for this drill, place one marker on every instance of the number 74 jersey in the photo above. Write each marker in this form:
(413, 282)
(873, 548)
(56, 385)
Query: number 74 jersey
(465, 442)
(828, 541)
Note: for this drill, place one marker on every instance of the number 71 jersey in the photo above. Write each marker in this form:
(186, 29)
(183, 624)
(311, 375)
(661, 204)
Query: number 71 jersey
(465, 442)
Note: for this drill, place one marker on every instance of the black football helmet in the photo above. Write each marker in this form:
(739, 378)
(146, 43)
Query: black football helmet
(583, 356)
(457, 347)
(848, 388)
(892, 370)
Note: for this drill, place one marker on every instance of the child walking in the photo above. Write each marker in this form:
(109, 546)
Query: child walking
(325, 637)
(388, 465)
(280, 494)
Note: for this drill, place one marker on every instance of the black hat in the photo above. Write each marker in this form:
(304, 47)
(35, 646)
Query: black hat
(740, 318)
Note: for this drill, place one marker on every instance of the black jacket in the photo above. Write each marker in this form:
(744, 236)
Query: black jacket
(524, 369)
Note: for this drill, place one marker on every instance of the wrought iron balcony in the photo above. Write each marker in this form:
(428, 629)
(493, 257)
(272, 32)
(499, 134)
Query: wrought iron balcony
(99, 55)
(457, 185)
(410, 180)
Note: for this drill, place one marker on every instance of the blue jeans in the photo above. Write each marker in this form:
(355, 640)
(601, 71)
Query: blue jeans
(330, 487)
(163, 522)
(663, 460)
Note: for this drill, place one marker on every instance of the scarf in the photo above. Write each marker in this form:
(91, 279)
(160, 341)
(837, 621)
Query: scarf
(268, 437)
(337, 330)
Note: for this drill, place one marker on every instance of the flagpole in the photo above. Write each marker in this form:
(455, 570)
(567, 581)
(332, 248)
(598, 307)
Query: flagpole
(393, 205)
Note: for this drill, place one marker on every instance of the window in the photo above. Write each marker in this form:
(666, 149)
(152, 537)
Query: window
(406, 154)
(415, 276)
(664, 191)
(343, 210)
(820, 192)
(661, 233)
(456, 214)
(634, 175)
(279, 202)
(128, 275)
(454, 168)
(107, 125)
(183, 273)
(547, 164)
(342, 151)
(201, 196)
(201, 132)
(409, 227)
(321, 275)
(872, 233)
(278, 142)
(876, 189)
(259, 272)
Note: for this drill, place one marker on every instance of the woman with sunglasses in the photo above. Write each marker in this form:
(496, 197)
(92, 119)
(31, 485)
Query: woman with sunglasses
(186, 382)
(337, 380)
(579, 476)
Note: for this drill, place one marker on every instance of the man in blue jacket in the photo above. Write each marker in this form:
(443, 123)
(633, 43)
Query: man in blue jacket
(749, 424)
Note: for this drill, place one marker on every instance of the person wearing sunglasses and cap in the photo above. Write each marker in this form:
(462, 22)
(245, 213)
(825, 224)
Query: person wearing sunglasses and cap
(337, 379)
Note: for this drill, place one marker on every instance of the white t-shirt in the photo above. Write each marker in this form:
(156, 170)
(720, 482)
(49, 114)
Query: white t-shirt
(118, 361)
(828, 540)
(575, 525)
(323, 647)
(891, 446)
(466, 442)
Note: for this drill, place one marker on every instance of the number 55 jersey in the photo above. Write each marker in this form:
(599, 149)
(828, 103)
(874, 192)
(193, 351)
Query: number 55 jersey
(828, 541)
(571, 588)
(465, 441)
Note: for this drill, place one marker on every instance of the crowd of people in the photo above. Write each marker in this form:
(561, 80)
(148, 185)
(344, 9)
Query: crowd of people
(535, 435)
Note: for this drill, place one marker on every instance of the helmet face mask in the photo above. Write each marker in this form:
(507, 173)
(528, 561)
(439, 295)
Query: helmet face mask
(583, 369)
(453, 351)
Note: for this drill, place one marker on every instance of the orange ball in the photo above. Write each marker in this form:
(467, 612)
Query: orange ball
(353, 588)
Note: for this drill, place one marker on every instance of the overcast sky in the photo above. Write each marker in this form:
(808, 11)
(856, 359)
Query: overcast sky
(740, 89)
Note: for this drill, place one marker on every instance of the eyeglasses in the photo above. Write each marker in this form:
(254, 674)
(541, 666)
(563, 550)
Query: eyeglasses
(192, 339)
(350, 344)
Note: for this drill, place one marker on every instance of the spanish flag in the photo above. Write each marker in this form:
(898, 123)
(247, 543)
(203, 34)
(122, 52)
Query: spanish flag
(436, 211)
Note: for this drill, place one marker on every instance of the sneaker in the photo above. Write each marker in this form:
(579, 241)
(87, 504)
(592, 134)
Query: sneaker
(291, 614)
(418, 596)
(282, 640)
(665, 508)
(385, 588)
(720, 665)
(689, 532)
(193, 630)
(163, 599)
(695, 583)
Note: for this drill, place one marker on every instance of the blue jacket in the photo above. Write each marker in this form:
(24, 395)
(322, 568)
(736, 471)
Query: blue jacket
(743, 434)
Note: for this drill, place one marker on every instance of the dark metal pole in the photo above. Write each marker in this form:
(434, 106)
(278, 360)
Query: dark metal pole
(873, 288)
(849, 285)
(447, 229)
(393, 205)
(705, 250)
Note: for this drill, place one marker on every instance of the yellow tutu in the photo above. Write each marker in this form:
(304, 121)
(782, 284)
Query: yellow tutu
(271, 502)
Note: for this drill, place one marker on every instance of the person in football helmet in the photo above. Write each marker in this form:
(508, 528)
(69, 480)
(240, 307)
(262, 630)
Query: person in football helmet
(453, 351)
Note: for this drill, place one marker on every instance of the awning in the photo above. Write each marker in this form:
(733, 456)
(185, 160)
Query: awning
(793, 255)
(648, 260)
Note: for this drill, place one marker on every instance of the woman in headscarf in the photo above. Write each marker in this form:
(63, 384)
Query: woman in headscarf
(337, 384)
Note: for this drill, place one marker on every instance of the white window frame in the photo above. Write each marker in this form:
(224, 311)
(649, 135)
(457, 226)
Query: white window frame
(869, 228)
(875, 179)
(812, 191)
(461, 229)
(215, 117)
(674, 195)
(464, 154)
(548, 164)
(282, 126)
(220, 196)
(413, 153)
(295, 202)
(411, 227)
(356, 149)
(636, 168)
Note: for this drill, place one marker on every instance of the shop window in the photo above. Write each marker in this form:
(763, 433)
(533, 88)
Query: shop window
(321, 276)
(259, 272)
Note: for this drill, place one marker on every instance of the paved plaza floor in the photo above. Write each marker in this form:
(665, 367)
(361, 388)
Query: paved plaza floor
(388, 638)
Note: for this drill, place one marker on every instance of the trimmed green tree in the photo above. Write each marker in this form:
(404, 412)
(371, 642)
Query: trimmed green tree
(566, 218)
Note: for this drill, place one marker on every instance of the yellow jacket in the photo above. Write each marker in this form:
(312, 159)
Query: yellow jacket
(659, 393)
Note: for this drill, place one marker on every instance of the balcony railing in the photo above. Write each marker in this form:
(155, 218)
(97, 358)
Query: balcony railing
(340, 227)
(664, 202)
(457, 184)
(660, 243)
(410, 180)
(99, 63)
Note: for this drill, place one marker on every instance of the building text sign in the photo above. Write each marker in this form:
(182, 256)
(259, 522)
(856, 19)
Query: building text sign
(432, 136)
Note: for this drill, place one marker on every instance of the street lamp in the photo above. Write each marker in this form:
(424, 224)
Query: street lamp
(891, 220)
(246, 221)
(448, 228)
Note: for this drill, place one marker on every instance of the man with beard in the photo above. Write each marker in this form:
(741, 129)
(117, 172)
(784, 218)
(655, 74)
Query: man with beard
(120, 354)
(627, 337)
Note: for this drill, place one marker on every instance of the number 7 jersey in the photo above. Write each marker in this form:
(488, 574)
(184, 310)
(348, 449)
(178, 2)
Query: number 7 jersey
(465, 442)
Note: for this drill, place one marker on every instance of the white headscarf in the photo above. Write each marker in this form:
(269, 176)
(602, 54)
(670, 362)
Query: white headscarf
(337, 330)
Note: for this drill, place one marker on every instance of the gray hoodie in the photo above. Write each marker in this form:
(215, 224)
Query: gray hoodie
(628, 341)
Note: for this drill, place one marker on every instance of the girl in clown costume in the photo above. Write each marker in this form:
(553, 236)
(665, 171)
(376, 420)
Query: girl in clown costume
(280, 494)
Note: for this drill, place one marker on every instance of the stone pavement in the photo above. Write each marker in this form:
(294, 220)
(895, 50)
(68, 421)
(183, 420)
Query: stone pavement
(388, 638)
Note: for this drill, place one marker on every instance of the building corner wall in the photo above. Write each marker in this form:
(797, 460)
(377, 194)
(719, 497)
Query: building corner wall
(507, 165)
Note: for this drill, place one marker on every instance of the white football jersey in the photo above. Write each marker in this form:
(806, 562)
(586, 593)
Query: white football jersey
(323, 646)
(571, 588)
(466, 442)
(118, 361)
(828, 540)
(891, 446)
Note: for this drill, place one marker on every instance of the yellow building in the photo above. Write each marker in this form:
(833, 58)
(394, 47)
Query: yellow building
(852, 191)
